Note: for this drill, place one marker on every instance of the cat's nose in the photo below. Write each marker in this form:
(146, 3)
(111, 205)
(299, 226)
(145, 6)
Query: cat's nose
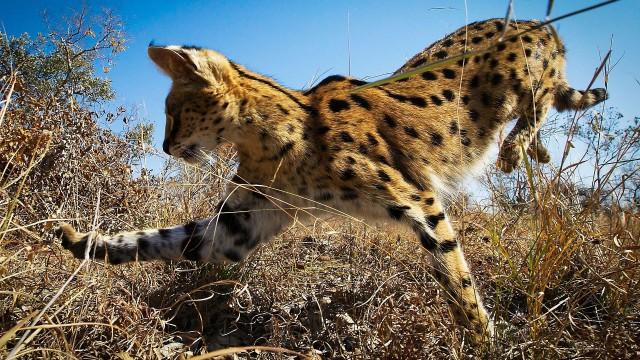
(166, 145)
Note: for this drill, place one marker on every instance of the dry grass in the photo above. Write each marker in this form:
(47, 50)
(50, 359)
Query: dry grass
(342, 291)
(559, 269)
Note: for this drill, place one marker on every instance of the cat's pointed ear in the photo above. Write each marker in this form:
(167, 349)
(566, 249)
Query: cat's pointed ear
(190, 63)
(173, 61)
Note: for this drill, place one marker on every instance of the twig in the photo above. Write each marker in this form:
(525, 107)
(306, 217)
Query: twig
(18, 346)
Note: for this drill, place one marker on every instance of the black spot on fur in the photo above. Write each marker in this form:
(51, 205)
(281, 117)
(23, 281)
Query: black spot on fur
(418, 101)
(282, 109)
(489, 35)
(513, 74)
(324, 197)
(474, 115)
(429, 75)
(501, 46)
(372, 139)
(466, 99)
(164, 233)
(447, 246)
(436, 100)
(337, 105)
(362, 148)
(410, 131)
(441, 54)
(348, 194)
(453, 127)
(527, 52)
(499, 26)
(391, 122)
(383, 176)
(448, 94)
(496, 79)
(466, 282)
(285, 149)
(447, 42)
(475, 81)
(322, 130)
(512, 57)
(362, 102)
(419, 62)
(230, 219)
(493, 63)
(429, 201)
(542, 41)
(345, 136)
(517, 86)
(449, 74)
(414, 100)
(347, 174)
(545, 91)
(427, 241)
(143, 246)
(396, 212)
(527, 39)
(415, 197)
(477, 25)
(436, 139)
(382, 159)
(486, 98)
(192, 242)
(357, 82)
(476, 39)
(433, 220)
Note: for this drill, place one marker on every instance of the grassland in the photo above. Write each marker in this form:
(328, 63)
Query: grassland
(557, 258)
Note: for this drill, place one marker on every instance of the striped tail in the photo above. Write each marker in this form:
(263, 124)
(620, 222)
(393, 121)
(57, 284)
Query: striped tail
(568, 98)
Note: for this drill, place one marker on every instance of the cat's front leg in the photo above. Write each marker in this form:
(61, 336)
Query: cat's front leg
(243, 221)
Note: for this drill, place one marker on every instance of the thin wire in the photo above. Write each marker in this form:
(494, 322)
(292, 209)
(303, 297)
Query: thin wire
(349, 42)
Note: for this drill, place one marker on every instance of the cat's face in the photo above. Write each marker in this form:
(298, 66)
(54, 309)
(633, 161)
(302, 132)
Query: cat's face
(200, 108)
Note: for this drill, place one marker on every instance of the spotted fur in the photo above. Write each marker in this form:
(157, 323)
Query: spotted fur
(387, 152)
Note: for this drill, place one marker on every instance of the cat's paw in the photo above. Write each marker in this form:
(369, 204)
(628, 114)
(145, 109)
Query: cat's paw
(509, 157)
(539, 153)
(72, 240)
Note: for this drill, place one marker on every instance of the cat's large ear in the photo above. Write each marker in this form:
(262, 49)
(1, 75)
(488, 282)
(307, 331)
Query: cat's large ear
(174, 61)
(190, 63)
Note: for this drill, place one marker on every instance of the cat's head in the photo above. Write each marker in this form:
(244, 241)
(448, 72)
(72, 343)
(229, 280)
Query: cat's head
(202, 105)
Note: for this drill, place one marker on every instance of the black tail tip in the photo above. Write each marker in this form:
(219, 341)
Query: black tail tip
(600, 94)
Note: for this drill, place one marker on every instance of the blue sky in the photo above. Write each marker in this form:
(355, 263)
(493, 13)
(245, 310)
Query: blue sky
(292, 41)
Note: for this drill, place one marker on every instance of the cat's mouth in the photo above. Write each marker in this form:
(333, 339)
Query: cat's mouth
(190, 154)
